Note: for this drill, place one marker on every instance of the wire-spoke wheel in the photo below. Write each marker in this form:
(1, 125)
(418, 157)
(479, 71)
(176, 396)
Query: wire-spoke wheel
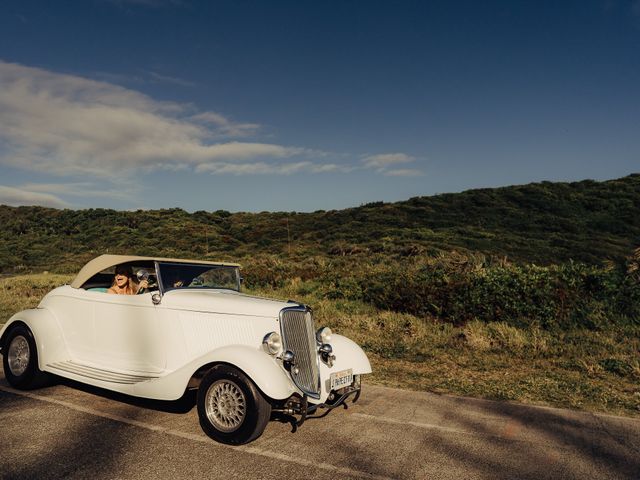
(20, 359)
(226, 405)
(18, 355)
(231, 408)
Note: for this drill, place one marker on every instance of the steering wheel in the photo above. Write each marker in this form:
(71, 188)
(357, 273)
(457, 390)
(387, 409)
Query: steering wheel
(143, 276)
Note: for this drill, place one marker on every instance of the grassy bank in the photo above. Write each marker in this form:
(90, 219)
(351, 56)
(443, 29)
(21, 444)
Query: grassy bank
(596, 369)
(25, 291)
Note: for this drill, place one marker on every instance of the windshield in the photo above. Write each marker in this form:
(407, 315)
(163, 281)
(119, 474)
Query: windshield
(184, 275)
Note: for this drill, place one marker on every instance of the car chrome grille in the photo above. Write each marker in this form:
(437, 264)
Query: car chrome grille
(298, 334)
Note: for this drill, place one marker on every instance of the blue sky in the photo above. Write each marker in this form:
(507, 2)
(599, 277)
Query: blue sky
(274, 105)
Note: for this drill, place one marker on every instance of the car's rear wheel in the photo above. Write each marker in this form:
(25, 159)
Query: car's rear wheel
(20, 359)
(231, 408)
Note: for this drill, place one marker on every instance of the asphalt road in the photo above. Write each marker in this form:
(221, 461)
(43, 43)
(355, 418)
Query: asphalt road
(70, 431)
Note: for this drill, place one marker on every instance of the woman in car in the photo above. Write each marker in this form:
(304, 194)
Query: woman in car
(124, 283)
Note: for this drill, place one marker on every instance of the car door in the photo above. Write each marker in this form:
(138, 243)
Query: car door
(74, 310)
(129, 334)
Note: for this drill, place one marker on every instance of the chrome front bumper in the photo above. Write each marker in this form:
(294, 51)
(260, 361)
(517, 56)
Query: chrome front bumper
(299, 405)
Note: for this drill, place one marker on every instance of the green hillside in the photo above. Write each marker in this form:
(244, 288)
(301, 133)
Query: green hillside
(543, 223)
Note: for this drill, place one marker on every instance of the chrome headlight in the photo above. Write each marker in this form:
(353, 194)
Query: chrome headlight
(273, 343)
(323, 335)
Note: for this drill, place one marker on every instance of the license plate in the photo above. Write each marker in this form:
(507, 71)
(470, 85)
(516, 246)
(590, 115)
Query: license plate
(341, 379)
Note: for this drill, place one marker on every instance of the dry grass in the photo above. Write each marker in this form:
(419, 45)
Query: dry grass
(25, 291)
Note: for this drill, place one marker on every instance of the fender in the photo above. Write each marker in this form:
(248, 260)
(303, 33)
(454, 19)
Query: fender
(269, 376)
(349, 355)
(46, 331)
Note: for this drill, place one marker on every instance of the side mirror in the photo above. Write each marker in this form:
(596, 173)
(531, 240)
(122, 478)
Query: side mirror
(156, 298)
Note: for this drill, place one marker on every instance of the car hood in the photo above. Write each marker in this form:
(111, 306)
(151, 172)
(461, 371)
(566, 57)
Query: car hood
(223, 301)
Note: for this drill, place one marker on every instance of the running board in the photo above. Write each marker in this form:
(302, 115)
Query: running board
(98, 373)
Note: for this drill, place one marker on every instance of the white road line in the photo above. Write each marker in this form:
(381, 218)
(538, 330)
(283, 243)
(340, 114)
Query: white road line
(413, 424)
(503, 435)
(198, 437)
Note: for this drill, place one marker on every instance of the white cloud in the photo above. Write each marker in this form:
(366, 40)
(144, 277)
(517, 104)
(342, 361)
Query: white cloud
(49, 194)
(17, 197)
(403, 172)
(226, 126)
(386, 159)
(141, 78)
(80, 189)
(68, 125)
(76, 127)
(257, 168)
(381, 163)
(262, 168)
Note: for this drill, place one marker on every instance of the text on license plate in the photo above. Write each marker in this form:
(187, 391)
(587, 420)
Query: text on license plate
(341, 379)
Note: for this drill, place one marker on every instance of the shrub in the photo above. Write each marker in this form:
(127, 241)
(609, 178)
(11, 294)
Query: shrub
(458, 290)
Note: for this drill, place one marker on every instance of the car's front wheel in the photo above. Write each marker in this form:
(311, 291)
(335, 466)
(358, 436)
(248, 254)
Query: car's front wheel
(20, 359)
(231, 408)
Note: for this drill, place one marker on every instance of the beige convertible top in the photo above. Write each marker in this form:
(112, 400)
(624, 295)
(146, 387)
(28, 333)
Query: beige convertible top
(103, 262)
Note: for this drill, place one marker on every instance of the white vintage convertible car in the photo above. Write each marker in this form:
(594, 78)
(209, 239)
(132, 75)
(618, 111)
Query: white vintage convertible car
(248, 357)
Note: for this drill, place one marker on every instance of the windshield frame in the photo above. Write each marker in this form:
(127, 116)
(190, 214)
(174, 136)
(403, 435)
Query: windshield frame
(163, 289)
